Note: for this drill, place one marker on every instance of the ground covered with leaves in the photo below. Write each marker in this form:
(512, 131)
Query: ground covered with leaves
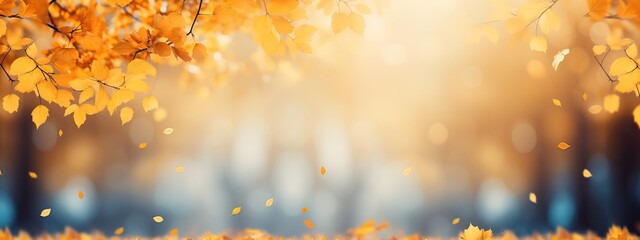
(367, 230)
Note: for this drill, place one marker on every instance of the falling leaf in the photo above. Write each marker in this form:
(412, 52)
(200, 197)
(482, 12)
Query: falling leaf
(180, 169)
(269, 202)
(60, 132)
(538, 44)
(304, 210)
(45, 212)
(563, 145)
(595, 109)
(173, 232)
(167, 131)
(406, 171)
(33, 175)
(80, 195)
(236, 210)
(585, 97)
(119, 231)
(308, 223)
(142, 145)
(455, 221)
(323, 170)
(158, 219)
(586, 173)
(611, 103)
(533, 198)
(556, 102)
(559, 57)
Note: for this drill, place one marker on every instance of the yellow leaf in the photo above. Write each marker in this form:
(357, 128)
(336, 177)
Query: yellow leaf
(611, 103)
(264, 33)
(406, 171)
(32, 50)
(281, 7)
(142, 145)
(599, 49)
(563, 146)
(304, 209)
(327, 6)
(595, 109)
(356, 23)
(60, 132)
(636, 115)
(586, 173)
(269, 202)
(119, 231)
(556, 102)
(632, 51)
(363, 8)
(323, 170)
(126, 114)
(308, 223)
(559, 57)
(167, 131)
(39, 115)
(339, 22)
(158, 219)
(199, 52)
(236, 210)
(585, 96)
(455, 221)
(533, 198)
(10, 103)
(80, 195)
(180, 169)
(22, 65)
(85, 95)
(33, 175)
(539, 44)
(173, 232)
(139, 66)
(45, 212)
(149, 103)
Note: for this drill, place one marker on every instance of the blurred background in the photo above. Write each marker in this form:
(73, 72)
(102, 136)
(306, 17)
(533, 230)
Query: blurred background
(473, 120)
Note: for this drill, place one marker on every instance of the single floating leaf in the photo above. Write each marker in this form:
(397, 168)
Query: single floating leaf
(563, 146)
(585, 97)
(455, 221)
(304, 210)
(149, 103)
(308, 223)
(556, 102)
(45, 212)
(533, 198)
(158, 219)
(269, 202)
(119, 231)
(126, 114)
(80, 195)
(33, 175)
(406, 171)
(323, 170)
(60, 132)
(586, 173)
(180, 169)
(559, 57)
(167, 131)
(236, 210)
(39, 115)
(173, 232)
(142, 145)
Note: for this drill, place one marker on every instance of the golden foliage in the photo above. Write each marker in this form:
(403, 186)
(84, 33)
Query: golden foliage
(92, 43)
